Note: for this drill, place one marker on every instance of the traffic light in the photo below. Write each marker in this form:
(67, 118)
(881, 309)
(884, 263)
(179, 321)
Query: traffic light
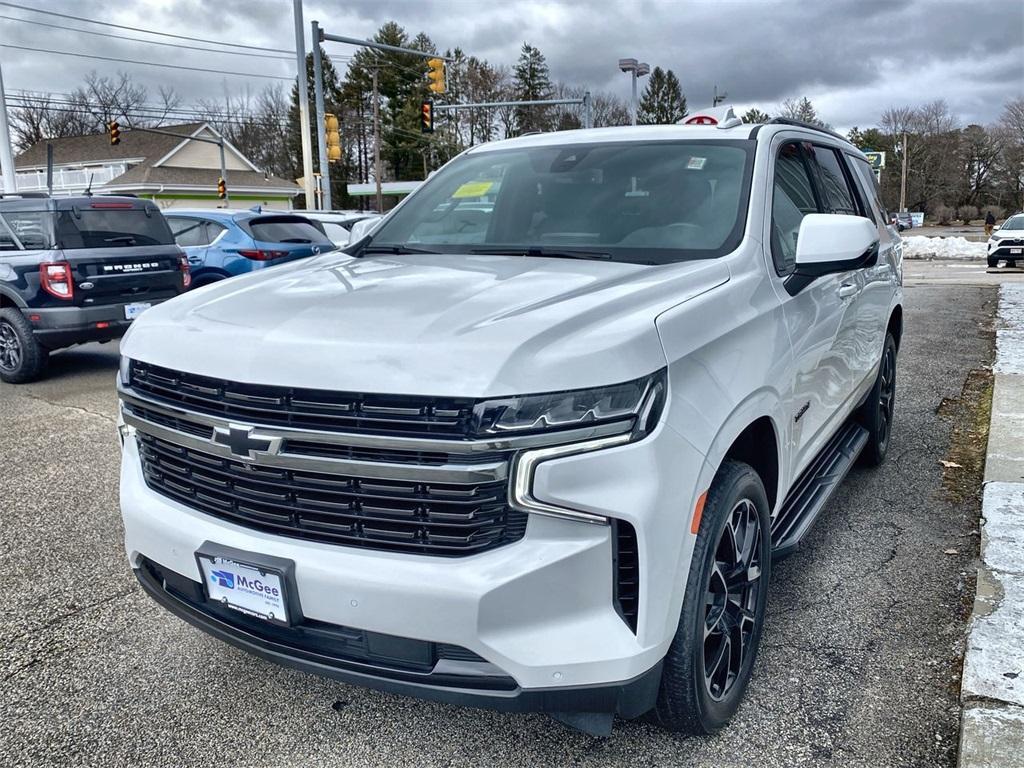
(436, 75)
(331, 127)
(427, 117)
(222, 188)
(115, 133)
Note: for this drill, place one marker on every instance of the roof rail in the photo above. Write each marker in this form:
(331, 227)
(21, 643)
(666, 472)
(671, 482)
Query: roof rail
(19, 195)
(802, 124)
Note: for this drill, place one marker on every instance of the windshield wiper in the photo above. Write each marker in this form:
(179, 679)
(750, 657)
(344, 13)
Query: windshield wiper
(126, 239)
(394, 250)
(553, 253)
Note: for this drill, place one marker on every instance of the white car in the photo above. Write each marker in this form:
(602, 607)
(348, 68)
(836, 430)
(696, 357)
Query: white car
(537, 454)
(337, 224)
(1007, 242)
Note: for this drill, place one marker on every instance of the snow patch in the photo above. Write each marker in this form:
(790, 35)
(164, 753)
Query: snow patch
(1010, 334)
(921, 247)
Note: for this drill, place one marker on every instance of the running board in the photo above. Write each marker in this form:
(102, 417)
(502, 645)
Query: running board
(815, 487)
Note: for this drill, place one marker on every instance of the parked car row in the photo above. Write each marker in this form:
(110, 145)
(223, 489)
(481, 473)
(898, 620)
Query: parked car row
(81, 269)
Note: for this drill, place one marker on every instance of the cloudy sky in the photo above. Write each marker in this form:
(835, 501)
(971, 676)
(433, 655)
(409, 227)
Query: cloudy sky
(853, 58)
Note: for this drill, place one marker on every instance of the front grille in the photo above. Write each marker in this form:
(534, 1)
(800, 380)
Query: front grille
(443, 519)
(317, 409)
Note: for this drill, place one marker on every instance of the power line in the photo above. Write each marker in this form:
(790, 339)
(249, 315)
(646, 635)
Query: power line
(18, 7)
(143, 63)
(141, 40)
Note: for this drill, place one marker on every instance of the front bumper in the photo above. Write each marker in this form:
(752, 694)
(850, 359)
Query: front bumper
(540, 610)
(454, 683)
(57, 327)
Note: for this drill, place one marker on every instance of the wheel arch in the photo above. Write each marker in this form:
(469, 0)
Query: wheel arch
(752, 434)
(10, 299)
(895, 326)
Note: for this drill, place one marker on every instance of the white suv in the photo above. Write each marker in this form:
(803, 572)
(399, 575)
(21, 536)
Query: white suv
(535, 442)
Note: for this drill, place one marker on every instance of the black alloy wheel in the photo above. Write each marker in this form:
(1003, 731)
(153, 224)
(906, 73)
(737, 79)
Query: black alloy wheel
(10, 348)
(732, 594)
(886, 396)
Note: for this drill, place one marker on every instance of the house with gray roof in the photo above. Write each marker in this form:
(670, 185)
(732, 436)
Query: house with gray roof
(174, 171)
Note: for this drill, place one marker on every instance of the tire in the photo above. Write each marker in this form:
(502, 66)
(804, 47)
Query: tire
(692, 700)
(992, 263)
(877, 413)
(22, 358)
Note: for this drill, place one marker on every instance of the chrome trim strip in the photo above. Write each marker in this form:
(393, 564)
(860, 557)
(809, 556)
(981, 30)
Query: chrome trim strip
(520, 490)
(511, 443)
(456, 474)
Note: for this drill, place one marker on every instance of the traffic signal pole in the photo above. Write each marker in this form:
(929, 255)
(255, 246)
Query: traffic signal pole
(321, 137)
(588, 113)
(219, 141)
(320, 36)
(6, 155)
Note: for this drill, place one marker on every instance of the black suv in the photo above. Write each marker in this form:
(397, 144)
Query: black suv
(78, 269)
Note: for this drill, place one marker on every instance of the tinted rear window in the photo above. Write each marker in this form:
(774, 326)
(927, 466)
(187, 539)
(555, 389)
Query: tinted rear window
(286, 231)
(91, 228)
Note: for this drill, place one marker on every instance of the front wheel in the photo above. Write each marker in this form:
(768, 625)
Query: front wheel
(992, 263)
(709, 663)
(877, 412)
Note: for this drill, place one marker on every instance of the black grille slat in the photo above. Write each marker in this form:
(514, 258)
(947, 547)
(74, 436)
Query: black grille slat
(626, 587)
(307, 408)
(425, 518)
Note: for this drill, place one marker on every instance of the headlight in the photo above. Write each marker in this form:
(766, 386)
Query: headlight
(124, 371)
(635, 405)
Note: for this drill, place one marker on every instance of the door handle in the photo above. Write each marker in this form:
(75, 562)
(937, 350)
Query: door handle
(846, 290)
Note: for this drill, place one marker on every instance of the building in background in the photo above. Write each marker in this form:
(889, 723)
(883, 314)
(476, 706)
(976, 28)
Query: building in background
(175, 172)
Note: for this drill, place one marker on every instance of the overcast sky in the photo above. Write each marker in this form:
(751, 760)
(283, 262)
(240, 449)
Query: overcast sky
(853, 58)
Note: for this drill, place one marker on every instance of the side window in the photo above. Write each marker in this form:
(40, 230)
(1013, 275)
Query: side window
(868, 185)
(213, 230)
(7, 241)
(188, 232)
(31, 228)
(792, 199)
(839, 198)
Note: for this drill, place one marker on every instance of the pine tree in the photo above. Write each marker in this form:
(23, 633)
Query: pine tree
(662, 101)
(802, 110)
(755, 115)
(531, 82)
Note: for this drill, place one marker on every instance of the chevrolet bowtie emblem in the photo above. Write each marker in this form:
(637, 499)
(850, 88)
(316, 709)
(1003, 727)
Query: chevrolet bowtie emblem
(242, 440)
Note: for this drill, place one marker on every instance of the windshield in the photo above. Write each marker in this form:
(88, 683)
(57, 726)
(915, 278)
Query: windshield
(648, 203)
(1014, 222)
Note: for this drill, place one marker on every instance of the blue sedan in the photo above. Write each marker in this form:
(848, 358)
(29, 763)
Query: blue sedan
(223, 243)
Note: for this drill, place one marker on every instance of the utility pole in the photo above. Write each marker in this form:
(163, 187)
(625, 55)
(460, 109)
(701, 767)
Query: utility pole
(321, 138)
(376, 142)
(903, 176)
(6, 155)
(304, 127)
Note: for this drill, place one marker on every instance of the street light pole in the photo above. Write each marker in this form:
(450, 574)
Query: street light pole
(637, 69)
(304, 127)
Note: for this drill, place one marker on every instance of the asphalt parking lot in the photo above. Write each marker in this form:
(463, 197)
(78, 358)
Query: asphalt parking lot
(859, 664)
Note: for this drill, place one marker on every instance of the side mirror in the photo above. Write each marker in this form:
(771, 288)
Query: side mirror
(995, 227)
(831, 242)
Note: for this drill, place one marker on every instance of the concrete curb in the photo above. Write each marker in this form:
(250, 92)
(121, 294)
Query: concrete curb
(992, 690)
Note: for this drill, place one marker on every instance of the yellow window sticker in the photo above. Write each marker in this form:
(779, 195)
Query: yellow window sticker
(473, 189)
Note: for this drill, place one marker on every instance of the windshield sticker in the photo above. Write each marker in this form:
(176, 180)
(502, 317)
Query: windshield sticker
(696, 163)
(473, 189)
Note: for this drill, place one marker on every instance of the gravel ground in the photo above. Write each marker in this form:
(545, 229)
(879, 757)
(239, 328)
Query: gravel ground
(859, 663)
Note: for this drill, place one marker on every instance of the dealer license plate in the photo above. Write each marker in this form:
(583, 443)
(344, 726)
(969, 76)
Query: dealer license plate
(249, 589)
(1015, 251)
(131, 311)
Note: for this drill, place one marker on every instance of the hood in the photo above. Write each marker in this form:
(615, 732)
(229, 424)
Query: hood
(437, 324)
